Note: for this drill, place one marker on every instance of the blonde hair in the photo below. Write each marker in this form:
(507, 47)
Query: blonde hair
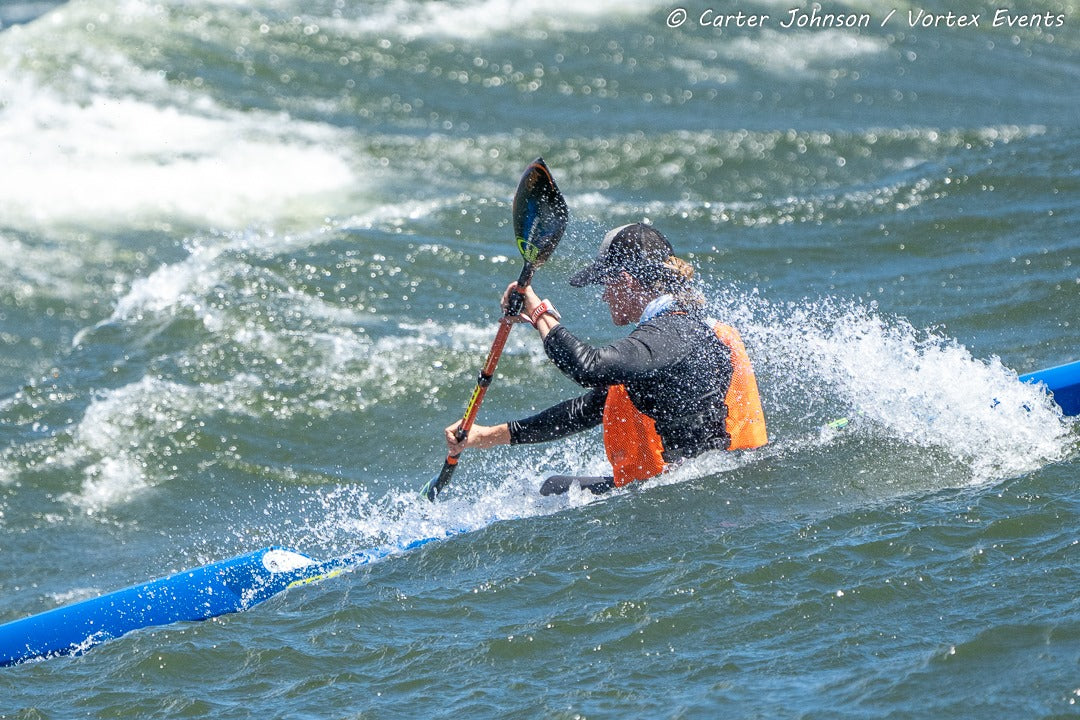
(679, 268)
(677, 278)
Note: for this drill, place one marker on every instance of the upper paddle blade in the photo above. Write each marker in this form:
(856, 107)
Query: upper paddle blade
(540, 214)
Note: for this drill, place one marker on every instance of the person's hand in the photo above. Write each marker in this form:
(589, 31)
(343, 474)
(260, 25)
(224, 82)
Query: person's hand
(529, 304)
(480, 436)
(453, 445)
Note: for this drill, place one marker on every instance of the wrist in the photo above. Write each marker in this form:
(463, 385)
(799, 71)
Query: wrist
(545, 307)
(495, 435)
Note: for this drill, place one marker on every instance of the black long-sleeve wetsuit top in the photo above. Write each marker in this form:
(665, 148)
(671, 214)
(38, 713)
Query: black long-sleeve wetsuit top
(674, 368)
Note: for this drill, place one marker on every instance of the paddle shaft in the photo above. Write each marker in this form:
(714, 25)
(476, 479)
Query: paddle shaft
(487, 374)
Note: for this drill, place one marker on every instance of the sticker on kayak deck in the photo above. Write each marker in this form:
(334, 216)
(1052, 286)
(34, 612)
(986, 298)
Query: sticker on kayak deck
(278, 560)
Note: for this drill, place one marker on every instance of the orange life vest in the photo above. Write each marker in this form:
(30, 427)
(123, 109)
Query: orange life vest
(632, 444)
(745, 418)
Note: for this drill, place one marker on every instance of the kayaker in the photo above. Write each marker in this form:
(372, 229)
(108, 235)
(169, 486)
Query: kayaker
(679, 385)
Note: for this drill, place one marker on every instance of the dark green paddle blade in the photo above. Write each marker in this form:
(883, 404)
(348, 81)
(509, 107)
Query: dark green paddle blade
(540, 214)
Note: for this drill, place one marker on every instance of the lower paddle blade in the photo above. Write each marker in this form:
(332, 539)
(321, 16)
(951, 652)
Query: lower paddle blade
(431, 489)
(435, 485)
(540, 214)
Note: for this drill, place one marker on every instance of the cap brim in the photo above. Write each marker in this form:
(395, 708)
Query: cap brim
(595, 274)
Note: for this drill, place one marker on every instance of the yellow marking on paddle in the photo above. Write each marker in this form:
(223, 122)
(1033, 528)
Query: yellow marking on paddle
(528, 251)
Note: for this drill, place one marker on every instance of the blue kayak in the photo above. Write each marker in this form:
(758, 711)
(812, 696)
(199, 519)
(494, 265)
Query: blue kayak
(209, 591)
(242, 582)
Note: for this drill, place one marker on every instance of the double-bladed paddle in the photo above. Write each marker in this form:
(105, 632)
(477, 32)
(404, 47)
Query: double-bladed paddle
(540, 216)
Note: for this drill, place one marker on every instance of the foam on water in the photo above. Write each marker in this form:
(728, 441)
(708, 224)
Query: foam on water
(346, 518)
(55, 270)
(188, 284)
(485, 18)
(112, 445)
(904, 173)
(218, 168)
(172, 154)
(787, 53)
(120, 445)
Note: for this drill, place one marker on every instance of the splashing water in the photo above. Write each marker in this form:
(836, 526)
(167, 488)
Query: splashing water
(915, 387)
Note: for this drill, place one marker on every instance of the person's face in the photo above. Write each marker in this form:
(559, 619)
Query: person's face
(625, 298)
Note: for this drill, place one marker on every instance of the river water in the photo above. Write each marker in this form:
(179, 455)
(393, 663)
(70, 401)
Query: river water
(251, 258)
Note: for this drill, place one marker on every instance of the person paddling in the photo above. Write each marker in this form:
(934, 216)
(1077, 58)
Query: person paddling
(679, 385)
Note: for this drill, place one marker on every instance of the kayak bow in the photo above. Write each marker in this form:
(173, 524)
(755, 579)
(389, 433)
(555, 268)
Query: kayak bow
(1063, 382)
(205, 592)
